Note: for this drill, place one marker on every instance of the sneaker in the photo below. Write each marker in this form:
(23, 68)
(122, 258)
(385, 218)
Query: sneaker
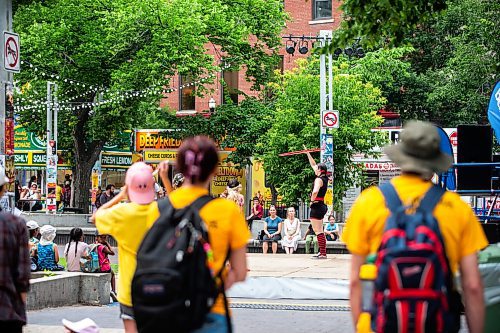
(318, 256)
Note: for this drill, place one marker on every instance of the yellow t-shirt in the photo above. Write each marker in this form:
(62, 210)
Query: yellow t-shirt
(461, 231)
(128, 224)
(226, 226)
(58, 193)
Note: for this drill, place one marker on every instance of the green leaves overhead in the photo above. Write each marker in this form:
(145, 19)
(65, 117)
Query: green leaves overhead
(384, 20)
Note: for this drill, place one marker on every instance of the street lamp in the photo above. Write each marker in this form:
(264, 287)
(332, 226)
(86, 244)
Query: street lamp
(211, 105)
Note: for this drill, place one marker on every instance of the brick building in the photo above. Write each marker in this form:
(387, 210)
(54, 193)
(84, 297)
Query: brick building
(306, 18)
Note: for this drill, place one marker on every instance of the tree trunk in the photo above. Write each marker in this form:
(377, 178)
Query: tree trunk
(86, 154)
(82, 184)
(274, 195)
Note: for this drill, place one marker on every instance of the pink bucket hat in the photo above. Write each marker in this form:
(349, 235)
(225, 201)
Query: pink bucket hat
(140, 183)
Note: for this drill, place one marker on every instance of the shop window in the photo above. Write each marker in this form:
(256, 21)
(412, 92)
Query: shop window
(187, 96)
(322, 9)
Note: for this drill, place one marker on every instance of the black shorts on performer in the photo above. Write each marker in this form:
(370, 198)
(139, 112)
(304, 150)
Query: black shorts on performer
(318, 210)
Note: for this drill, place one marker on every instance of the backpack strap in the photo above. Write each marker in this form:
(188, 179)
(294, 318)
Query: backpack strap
(201, 201)
(164, 204)
(431, 198)
(391, 197)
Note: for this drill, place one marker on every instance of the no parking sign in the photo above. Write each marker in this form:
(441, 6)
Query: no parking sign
(11, 54)
(330, 119)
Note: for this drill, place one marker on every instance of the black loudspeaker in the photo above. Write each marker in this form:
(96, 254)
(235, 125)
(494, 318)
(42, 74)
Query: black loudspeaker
(474, 146)
(492, 231)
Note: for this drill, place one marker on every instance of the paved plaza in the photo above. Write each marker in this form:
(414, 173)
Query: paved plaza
(276, 313)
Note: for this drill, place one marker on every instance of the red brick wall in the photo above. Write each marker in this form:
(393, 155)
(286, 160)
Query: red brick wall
(300, 23)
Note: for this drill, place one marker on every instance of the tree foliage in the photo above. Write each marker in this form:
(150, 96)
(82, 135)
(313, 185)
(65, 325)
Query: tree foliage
(296, 123)
(454, 66)
(382, 20)
(127, 46)
(232, 126)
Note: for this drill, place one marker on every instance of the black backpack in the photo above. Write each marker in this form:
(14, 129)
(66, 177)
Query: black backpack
(173, 289)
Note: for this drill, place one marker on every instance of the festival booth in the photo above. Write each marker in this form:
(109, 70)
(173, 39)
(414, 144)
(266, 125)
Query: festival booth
(155, 145)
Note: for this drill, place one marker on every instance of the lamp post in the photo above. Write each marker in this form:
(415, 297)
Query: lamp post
(211, 105)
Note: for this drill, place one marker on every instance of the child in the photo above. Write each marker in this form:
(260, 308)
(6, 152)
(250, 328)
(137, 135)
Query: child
(103, 250)
(75, 250)
(311, 238)
(34, 232)
(48, 256)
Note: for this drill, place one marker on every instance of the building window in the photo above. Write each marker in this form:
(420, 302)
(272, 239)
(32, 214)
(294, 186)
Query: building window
(187, 97)
(322, 9)
(230, 88)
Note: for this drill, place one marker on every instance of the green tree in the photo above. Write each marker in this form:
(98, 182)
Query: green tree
(129, 50)
(455, 65)
(296, 123)
(233, 126)
(384, 21)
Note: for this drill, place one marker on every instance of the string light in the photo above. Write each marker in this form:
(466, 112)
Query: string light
(115, 96)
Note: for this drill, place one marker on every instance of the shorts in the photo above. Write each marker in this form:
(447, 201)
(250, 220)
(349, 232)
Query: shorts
(275, 238)
(107, 271)
(126, 312)
(214, 323)
(318, 210)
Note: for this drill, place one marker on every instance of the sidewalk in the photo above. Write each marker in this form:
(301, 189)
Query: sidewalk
(337, 266)
(297, 277)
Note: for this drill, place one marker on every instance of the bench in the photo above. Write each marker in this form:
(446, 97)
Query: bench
(74, 210)
(255, 246)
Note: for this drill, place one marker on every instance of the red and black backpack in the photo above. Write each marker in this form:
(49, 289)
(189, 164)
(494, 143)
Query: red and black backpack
(414, 288)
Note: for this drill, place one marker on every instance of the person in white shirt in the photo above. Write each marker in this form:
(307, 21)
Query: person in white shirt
(292, 232)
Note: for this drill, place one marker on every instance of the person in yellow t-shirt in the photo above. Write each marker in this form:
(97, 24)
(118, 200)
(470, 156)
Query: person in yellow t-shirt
(128, 223)
(197, 160)
(58, 195)
(419, 157)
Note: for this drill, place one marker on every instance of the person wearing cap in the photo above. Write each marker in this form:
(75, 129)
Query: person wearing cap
(48, 255)
(317, 204)
(86, 325)
(14, 268)
(34, 232)
(419, 156)
(128, 223)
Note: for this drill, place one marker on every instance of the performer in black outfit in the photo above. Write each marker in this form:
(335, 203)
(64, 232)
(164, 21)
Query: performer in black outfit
(318, 207)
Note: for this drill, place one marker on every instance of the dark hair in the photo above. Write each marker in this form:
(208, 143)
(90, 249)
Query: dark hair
(255, 198)
(109, 186)
(197, 158)
(74, 235)
(329, 216)
(321, 167)
(233, 183)
(33, 232)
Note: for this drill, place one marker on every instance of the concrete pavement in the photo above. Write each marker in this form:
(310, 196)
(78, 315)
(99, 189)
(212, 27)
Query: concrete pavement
(299, 266)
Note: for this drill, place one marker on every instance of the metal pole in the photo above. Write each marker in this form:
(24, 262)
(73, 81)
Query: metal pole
(49, 115)
(330, 81)
(56, 109)
(5, 76)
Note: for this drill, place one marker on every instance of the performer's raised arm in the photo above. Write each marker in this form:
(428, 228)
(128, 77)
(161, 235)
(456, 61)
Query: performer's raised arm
(312, 162)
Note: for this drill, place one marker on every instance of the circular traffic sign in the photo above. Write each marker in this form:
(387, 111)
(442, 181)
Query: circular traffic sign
(330, 119)
(11, 52)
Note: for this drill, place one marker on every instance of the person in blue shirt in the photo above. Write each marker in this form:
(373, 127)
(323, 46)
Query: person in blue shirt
(272, 231)
(331, 229)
